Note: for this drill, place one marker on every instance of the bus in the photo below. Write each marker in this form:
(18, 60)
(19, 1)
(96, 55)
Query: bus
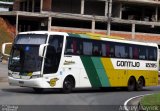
(42, 59)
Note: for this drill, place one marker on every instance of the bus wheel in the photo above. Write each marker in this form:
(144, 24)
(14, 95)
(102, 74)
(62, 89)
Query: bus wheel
(38, 90)
(140, 84)
(131, 84)
(68, 85)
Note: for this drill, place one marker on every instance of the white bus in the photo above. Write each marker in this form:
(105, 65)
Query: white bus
(42, 59)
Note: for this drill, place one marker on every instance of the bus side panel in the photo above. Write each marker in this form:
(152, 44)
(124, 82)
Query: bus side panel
(153, 78)
(137, 74)
(101, 72)
(91, 71)
(116, 77)
(73, 66)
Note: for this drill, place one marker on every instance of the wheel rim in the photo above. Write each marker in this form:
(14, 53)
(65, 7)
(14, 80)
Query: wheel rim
(68, 85)
(140, 83)
(131, 84)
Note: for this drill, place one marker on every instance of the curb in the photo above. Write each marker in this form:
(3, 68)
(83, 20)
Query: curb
(136, 106)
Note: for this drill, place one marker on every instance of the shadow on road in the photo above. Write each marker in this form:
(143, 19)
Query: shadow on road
(58, 91)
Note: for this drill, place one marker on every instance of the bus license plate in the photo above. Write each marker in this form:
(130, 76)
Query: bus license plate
(21, 82)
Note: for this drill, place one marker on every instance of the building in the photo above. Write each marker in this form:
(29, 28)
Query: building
(6, 6)
(131, 19)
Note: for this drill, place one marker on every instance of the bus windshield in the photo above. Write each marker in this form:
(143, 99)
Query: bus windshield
(24, 54)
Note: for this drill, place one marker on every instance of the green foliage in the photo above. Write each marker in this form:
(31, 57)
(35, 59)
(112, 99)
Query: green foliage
(4, 38)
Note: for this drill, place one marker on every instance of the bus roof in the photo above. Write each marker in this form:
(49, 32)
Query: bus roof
(93, 36)
(44, 32)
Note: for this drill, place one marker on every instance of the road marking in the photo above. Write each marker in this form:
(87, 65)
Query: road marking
(126, 102)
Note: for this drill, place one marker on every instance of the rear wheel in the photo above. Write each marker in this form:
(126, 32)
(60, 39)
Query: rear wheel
(131, 84)
(68, 85)
(38, 90)
(140, 84)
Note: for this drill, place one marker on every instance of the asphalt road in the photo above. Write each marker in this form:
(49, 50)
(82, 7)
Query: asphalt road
(113, 98)
(3, 72)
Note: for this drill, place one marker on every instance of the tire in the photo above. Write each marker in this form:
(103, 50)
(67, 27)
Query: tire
(131, 84)
(38, 90)
(68, 85)
(140, 84)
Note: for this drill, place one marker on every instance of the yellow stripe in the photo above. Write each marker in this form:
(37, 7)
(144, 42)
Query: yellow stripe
(119, 77)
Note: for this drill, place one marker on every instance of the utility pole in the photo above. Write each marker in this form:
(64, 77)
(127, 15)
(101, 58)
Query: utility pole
(109, 17)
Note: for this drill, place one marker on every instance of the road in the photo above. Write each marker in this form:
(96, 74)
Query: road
(10, 95)
(3, 72)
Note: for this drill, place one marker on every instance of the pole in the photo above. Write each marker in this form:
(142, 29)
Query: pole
(82, 7)
(49, 23)
(109, 18)
(133, 31)
(17, 19)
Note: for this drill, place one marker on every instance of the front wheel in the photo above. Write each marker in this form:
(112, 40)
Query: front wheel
(68, 85)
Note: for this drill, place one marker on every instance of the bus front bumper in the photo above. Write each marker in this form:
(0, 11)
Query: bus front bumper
(35, 83)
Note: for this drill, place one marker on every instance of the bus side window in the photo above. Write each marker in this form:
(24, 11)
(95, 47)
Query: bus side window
(142, 53)
(155, 54)
(69, 46)
(87, 48)
(74, 46)
(108, 50)
(104, 51)
(96, 49)
(121, 51)
(152, 54)
(112, 50)
(130, 53)
(79, 47)
(135, 53)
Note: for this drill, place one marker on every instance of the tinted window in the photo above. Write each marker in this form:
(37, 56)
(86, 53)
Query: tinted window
(82, 46)
(142, 52)
(121, 51)
(87, 48)
(152, 53)
(74, 46)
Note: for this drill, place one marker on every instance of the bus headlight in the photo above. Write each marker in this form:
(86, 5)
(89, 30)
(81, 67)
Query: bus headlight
(36, 76)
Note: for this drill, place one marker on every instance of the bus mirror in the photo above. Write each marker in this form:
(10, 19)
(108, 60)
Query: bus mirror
(41, 49)
(4, 48)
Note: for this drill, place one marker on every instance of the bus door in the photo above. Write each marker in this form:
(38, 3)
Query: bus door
(53, 54)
